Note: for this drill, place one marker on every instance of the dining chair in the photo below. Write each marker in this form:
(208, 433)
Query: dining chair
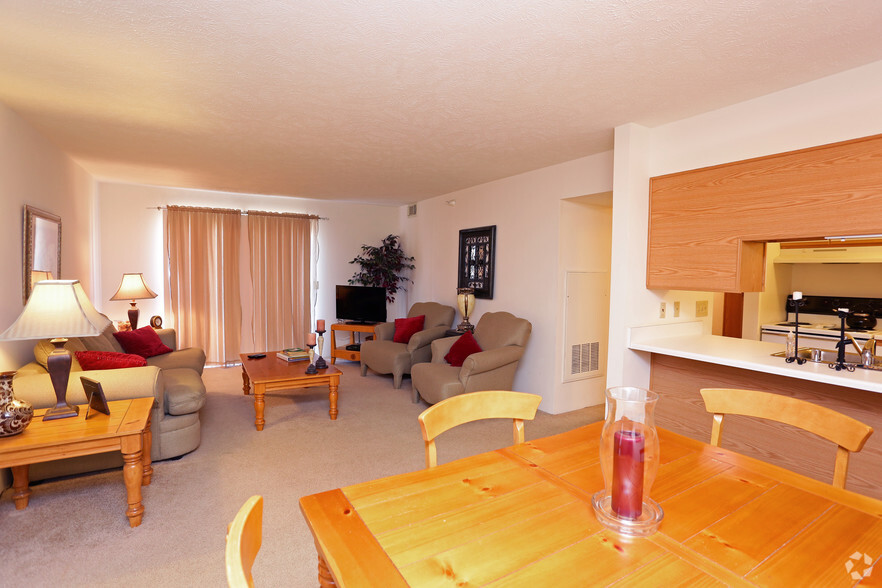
(474, 406)
(243, 542)
(848, 433)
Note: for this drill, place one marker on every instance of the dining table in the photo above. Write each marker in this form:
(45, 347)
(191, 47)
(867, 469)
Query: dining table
(523, 516)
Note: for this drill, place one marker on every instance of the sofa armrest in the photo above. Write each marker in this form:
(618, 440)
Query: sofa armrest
(168, 337)
(120, 384)
(425, 337)
(485, 361)
(384, 331)
(440, 348)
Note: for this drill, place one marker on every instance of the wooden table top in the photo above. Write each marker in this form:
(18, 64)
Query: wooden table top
(127, 417)
(522, 516)
(272, 368)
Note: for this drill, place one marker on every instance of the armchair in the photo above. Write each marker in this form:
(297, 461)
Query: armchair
(502, 337)
(385, 356)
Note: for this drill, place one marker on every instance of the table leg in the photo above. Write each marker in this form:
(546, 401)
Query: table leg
(333, 347)
(259, 391)
(146, 458)
(133, 474)
(245, 382)
(326, 580)
(332, 400)
(20, 484)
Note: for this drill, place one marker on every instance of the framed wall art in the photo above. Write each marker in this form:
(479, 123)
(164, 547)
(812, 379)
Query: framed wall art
(477, 251)
(42, 248)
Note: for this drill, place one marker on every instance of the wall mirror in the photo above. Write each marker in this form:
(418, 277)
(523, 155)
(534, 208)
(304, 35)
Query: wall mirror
(42, 248)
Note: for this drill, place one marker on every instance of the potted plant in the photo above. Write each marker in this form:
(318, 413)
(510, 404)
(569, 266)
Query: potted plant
(382, 266)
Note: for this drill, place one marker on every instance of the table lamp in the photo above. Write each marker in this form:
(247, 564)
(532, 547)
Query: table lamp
(57, 309)
(39, 276)
(132, 287)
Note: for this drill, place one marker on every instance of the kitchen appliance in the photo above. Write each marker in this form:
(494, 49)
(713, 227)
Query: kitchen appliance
(819, 324)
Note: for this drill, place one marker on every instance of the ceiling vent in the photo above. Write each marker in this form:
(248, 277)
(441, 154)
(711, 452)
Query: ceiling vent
(411, 210)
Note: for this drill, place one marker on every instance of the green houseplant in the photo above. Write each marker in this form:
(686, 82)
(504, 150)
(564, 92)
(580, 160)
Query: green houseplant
(383, 266)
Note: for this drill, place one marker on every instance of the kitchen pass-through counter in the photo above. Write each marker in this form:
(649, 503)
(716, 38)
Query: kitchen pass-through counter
(684, 359)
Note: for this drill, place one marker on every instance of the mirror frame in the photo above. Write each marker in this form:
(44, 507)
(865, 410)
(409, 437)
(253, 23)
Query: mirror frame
(30, 236)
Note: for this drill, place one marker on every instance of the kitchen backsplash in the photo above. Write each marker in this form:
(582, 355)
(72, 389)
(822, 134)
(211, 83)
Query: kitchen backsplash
(835, 279)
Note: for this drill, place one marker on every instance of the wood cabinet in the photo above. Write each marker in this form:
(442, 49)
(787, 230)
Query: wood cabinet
(708, 227)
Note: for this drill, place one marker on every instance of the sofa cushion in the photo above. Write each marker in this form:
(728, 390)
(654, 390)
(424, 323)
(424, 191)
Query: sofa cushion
(406, 327)
(108, 360)
(184, 391)
(43, 348)
(459, 351)
(190, 357)
(103, 342)
(144, 342)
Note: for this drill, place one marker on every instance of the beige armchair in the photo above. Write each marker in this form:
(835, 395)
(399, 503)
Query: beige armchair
(385, 356)
(502, 337)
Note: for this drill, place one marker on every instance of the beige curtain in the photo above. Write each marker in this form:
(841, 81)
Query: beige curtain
(280, 278)
(203, 280)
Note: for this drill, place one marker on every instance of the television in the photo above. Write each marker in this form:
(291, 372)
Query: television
(361, 304)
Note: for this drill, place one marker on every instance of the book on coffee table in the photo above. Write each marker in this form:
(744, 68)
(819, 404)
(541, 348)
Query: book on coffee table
(293, 354)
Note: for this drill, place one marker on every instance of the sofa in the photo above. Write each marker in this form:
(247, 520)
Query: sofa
(173, 379)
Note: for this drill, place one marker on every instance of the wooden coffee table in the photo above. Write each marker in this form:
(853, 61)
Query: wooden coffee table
(270, 373)
(126, 429)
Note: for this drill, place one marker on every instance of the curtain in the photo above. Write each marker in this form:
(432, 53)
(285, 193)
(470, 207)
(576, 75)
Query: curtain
(281, 281)
(203, 280)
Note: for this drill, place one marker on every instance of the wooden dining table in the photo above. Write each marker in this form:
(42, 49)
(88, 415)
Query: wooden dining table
(522, 516)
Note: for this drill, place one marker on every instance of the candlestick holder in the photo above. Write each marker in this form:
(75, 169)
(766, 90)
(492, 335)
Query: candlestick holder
(320, 362)
(629, 454)
(311, 369)
(799, 360)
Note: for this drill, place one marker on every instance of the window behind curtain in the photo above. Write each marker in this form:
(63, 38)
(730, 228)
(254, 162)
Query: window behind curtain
(281, 250)
(203, 280)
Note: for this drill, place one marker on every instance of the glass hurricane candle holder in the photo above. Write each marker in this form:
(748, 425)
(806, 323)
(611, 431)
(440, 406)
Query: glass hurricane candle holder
(629, 455)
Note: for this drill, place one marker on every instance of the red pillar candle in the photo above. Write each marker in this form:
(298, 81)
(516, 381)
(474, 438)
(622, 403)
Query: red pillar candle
(312, 339)
(627, 482)
(320, 325)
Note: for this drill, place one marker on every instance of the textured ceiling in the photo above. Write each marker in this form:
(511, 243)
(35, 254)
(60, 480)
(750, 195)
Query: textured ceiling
(393, 100)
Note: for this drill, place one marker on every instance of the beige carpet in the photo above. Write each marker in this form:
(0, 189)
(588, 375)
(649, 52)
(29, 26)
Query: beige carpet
(75, 533)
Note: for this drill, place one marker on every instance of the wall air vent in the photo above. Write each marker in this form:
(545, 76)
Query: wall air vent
(585, 358)
(411, 210)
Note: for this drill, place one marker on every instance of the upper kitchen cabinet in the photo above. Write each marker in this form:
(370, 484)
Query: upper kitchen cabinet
(708, 227)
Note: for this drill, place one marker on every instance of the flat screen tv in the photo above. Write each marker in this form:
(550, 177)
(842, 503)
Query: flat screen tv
(361, 304)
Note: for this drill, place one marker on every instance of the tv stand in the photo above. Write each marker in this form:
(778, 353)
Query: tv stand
(342, 352)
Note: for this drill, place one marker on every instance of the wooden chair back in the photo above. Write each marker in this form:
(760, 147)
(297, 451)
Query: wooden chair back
(243, 542)
(847, 433)
(474, 406)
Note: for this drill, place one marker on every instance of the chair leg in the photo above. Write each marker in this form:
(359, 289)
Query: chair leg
(396, 380)
(416, 396)
(363, 369)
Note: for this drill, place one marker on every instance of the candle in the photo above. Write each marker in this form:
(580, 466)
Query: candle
(797, 295)
(312, 339)
(320, 325)
(627, 483)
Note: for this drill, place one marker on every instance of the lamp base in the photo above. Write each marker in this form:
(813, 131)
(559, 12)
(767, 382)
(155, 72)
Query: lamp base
(133, 316)
(61, 411)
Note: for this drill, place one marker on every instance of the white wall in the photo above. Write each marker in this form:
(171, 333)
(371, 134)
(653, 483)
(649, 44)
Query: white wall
(839, 107)
(130, 234)
(526, 211)
(34, 172)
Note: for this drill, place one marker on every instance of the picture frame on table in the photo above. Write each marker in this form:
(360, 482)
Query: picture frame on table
(477, 254)
(97, 402)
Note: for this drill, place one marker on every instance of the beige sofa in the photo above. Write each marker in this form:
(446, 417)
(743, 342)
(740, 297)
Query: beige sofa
(173, 379)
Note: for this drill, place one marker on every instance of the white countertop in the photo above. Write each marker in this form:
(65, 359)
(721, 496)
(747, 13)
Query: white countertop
(686, 340)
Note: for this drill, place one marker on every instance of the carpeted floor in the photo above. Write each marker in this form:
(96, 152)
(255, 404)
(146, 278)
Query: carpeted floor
(75, 533)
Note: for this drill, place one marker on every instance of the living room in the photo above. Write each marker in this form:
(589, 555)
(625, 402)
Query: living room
(111, 227)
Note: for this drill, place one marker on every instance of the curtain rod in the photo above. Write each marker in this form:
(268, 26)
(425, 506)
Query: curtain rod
(245, 212)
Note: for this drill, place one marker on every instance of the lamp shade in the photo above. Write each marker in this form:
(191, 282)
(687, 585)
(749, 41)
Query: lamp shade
(133, 287)
(57, 308)
(39, 276)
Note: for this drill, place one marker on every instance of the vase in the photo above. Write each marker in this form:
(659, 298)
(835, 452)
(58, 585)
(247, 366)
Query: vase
(629, 453)
(15, 414)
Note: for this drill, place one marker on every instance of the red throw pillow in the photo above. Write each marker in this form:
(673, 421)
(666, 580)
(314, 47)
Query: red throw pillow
(144, 342)
(464, 346)
(406, 327)
(108, 360)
